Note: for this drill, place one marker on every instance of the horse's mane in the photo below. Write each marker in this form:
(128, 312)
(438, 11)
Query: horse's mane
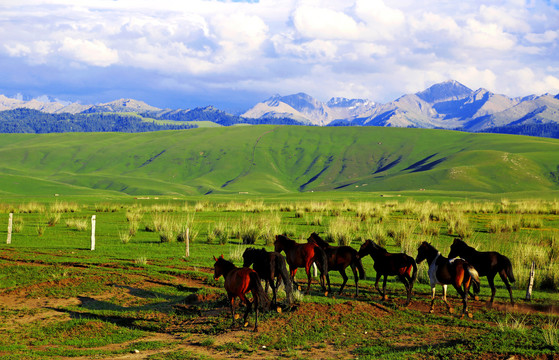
(318, 240)
(285, 239)
(378, 247)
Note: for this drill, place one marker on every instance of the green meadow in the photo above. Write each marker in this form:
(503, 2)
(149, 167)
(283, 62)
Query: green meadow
(138, 295)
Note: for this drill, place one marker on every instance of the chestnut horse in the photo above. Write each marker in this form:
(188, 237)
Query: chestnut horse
(456, 272)
(271, 268)
(487, 263)
(303, 255)
(238, 282)
(390, 264)
(339, 258)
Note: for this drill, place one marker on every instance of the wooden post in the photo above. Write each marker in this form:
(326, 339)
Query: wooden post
(187, 241)
(93, 233)
(10, 222)
(531, 282)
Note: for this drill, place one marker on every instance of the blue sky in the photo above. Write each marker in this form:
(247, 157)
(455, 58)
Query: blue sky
(233, 54)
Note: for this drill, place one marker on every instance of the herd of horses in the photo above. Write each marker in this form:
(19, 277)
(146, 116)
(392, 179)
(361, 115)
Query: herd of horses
(462, 269)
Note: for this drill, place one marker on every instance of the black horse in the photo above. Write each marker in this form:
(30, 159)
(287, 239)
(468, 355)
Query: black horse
(456, 272)
(487, 263)
(271, 267)
(339, 258)
(390, 264)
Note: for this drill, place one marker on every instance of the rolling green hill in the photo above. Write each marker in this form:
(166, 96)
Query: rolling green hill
(276, 159)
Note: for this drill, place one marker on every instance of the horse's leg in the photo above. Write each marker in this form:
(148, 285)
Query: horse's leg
(248, 308)
(384, 297)
(232, 303)
(344, 276)
(376, 284)
(507, 284)
(293, 272)
(433, 290)
(464, 295)
(491, 281)
(450, 309)
(354, 269)
(407, 284)
(308, 271)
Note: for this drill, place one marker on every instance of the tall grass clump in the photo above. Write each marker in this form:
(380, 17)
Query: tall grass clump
(124, 236)
(77, 224)
(17, 224)
(220, 231)
(550, 333)
(31, 207)
(107, 207)
(376, 232)
(63, 207)
(458, 224)
(342, 230)
(270, 226)
(402, 231)
(249, 230)
(53, 219)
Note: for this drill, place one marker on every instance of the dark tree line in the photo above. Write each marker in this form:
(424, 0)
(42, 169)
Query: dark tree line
(34, 121)
(549, 130)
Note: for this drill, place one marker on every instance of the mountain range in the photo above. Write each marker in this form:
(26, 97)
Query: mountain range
(446, 105)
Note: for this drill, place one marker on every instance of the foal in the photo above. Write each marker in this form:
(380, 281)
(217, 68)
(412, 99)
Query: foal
(456, 272)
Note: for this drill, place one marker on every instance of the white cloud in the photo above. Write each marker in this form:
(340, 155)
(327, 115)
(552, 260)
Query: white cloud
(376, 47)
(92, 52)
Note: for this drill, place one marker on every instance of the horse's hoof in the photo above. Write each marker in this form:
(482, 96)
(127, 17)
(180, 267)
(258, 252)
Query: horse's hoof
(255, 330)
(451, 310)
(326, 293)
(431, 311)
(278, 309)
(407, 304)
(237, 316)
(299, 287)
(246, 324)
(470, 316)
(476, 298)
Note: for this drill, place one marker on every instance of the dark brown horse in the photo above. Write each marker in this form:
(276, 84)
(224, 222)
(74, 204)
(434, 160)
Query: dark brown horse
(456, 272)
(271, 268)
(487, 263)
(339, 258)
(390, 264)
(238, 282)
(303, 255)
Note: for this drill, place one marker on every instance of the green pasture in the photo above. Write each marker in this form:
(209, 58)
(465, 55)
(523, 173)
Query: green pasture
(138, 240)
(280, 160)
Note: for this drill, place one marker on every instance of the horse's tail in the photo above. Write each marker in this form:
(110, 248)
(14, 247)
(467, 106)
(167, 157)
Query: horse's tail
(286, 279)
(258, 291)
(475, 278)
(321, 260)
(414, 272)
(508, 269)
(359, 265)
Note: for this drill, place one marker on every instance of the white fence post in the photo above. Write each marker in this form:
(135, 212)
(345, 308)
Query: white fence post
(187, 241)
(93, 232)
(531, 282)
(10, 222)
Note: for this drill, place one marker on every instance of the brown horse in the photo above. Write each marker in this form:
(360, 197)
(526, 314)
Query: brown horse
(238, 282)
(444, 271)
(303, 255)
(271, 268)
(390, 264)
(487, 263)
(339, 258)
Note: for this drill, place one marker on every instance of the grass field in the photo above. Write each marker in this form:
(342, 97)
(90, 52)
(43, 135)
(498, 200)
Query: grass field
(138, 296)
(281, 160)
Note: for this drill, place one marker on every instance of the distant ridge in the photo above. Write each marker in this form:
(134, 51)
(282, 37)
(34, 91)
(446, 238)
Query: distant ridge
(446, 105)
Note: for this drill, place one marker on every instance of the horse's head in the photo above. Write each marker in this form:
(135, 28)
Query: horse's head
(218, 267)
(279, 243)
(311, 239)
(364, 248)
(423, 251)
(248, 257)
(457, 248)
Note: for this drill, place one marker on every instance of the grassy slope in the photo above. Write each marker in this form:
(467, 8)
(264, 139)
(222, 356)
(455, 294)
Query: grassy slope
(275, 159)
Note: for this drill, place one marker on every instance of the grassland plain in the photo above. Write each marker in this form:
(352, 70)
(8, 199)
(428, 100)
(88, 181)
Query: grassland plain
(142, 298)
(264, 160)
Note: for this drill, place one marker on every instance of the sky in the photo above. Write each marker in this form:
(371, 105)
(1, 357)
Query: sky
(234, 54)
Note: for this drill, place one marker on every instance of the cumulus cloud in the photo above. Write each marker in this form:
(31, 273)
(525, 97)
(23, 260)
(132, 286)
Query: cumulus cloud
(369, 48)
